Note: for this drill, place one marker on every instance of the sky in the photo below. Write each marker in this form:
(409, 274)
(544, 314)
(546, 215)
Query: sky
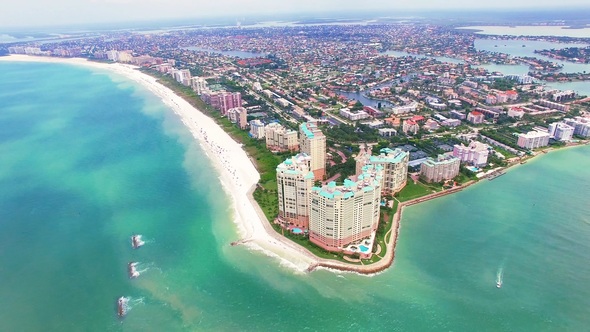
(31, 13)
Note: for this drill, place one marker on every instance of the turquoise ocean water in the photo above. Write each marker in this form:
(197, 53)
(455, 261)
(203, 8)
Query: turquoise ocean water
(88, 158)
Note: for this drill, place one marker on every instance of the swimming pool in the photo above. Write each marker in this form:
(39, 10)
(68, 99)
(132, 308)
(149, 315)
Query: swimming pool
(363, 248)
(296, 230)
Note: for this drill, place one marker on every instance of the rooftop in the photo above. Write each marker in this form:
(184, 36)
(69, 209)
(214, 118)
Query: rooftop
(441, 159)
(534, 134)
(298, 164)
(369, 180)
(388, 155)
(310, 130)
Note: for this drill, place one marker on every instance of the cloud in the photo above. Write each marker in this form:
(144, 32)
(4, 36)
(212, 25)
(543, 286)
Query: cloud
(38, 12)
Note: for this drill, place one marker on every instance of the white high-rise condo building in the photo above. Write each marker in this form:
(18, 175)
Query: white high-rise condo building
(581, 125)
(294, 183)
(476, 153)
(561, 131)
(279, 138)
(182, 76)
(313, 142)
(238, 115)
(445, 167)
(346, 214)
(533, 140)
(394, 164)
(199, 85)
(257, 129)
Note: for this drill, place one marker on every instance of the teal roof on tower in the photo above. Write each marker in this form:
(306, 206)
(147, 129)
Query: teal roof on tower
(390, 156)
(367, 181)
(308, 128)
(348, 183)
(295, 164)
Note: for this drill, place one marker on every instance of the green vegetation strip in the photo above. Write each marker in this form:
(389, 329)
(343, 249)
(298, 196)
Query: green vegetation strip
(413, 190)
(385, 224)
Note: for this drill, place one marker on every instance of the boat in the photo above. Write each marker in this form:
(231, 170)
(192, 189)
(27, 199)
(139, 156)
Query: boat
(132, 270)
(136, 241)
(122, 306)
(499, 284)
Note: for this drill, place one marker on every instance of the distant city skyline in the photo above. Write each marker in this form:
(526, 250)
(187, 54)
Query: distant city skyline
(31, 13)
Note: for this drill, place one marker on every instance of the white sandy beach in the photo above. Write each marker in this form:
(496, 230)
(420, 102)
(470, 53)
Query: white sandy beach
(237, 173)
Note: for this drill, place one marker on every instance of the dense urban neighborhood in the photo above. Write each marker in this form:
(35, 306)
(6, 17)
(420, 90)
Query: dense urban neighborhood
(346, 123)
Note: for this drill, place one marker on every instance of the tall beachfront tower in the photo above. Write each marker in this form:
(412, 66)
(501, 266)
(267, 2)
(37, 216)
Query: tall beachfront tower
(313, 142)
(223, 100)
(294, 182)
(346, 214)
(395, 167)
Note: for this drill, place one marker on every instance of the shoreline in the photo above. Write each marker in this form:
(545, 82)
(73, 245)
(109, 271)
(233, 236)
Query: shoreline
(254, 229)
(222, 151)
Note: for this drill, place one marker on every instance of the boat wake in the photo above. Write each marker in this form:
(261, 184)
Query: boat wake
(500, 277)
(135, 302)
(141, 268)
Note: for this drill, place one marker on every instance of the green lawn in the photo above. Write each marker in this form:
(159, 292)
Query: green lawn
(412, 191)
(270, 185)
(504, 152)
(463, 178)
(385, 225)
(268, 202)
